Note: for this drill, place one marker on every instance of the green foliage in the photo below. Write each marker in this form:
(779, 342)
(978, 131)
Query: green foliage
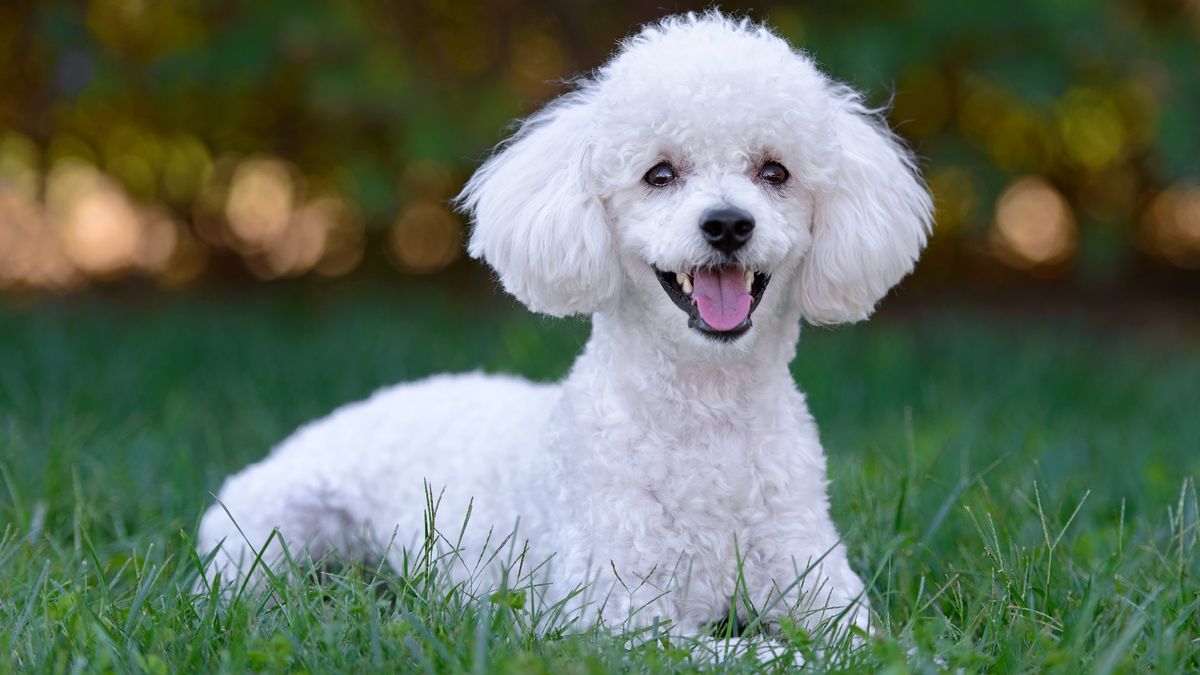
(1098, 98)
(1021, 502)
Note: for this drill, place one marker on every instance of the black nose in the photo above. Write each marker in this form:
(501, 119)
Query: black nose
(727, 229)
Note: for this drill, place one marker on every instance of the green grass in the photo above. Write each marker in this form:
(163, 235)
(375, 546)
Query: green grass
(1018, 491)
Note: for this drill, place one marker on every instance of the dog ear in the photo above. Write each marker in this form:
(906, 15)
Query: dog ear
(868, 226)
(536, 220)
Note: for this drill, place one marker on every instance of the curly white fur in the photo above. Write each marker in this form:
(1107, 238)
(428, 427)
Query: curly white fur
(667, 461)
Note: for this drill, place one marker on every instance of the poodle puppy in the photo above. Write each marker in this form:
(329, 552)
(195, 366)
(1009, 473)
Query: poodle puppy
(699, 196)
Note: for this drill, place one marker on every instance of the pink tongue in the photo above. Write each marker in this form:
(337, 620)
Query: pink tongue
(721, 297)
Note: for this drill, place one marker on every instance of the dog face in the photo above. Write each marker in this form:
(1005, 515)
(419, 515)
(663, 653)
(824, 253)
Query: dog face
(710, 181)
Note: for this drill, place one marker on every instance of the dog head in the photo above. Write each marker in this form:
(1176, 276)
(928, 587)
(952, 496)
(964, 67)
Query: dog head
(709, 180)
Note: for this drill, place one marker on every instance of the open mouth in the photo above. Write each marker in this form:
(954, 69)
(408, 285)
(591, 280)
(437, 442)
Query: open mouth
(717, 300)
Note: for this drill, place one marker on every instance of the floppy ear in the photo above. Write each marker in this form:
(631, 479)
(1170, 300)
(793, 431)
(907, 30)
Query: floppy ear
(536, 221)
(869, 226)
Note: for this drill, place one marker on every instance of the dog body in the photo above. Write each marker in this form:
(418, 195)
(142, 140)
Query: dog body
(703, 194)
(630, 485)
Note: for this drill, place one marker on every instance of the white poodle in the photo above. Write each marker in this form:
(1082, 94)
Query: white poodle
(700, 195)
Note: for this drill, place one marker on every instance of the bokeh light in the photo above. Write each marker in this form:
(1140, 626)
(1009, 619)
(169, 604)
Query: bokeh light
(1014, 135)
(160, 238)
(19, 161)
(426, 237)
(172, 142)
(261, 197)
(345, 237)
(1090, 126)
(31, 256)
(188, 260)
(99, 227)
(186, 167)
(1034, 226)
(1171, 226)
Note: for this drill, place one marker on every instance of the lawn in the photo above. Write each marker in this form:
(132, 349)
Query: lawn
(1018, 490)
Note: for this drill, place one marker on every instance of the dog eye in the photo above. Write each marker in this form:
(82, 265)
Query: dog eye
(773, 173)
(661, 175)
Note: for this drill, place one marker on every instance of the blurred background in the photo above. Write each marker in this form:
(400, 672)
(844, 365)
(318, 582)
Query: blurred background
(168, 144)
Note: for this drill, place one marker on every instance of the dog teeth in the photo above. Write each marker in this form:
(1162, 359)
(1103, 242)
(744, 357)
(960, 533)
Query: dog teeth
(749, 280)
(685, 282)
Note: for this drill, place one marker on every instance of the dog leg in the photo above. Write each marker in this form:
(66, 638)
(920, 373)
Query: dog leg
(265, 508)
